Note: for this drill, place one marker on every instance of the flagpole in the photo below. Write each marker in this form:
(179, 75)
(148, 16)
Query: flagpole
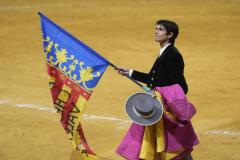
(147, 89)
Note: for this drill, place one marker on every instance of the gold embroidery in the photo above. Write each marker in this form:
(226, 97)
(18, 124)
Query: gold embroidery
(60, 59)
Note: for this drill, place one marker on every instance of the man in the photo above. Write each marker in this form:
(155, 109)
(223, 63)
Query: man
(168, 69)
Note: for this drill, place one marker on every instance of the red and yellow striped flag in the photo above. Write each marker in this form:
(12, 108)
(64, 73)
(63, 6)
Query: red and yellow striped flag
(74, 70)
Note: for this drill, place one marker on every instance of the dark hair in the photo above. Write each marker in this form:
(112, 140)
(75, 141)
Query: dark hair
(170, 26)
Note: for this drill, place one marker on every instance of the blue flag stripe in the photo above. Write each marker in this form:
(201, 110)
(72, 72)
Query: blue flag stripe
(72, 37)
(75, 59)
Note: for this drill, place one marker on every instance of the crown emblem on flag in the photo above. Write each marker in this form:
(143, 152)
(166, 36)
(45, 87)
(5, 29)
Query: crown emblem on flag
(68, 64)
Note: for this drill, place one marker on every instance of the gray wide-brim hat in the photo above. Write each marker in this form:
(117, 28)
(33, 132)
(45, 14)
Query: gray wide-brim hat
(144, 109)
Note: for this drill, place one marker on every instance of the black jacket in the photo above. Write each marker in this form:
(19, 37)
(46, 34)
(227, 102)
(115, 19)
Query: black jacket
(168, 69)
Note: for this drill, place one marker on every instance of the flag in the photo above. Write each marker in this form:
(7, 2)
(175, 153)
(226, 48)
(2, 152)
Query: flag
(74, 70)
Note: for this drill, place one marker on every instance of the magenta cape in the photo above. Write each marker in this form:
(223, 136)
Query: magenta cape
(178, 136)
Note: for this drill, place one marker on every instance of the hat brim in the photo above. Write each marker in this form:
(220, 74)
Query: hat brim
(138, 119)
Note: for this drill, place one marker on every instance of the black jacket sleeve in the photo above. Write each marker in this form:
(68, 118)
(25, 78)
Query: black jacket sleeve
(139, 76)
(174, 66)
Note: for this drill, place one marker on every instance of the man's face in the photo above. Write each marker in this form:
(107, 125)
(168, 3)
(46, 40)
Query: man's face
(161, 34)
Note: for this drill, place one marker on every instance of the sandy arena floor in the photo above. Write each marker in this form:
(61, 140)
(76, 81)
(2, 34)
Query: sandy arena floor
(122, 31)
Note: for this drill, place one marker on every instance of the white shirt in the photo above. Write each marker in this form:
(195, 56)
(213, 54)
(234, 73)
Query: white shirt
(160, 53)
(163, 49)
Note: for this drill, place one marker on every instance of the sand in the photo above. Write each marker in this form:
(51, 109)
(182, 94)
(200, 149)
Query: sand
(123, 32)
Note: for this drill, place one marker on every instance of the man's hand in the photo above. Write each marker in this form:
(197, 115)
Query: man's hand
(123, 71)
